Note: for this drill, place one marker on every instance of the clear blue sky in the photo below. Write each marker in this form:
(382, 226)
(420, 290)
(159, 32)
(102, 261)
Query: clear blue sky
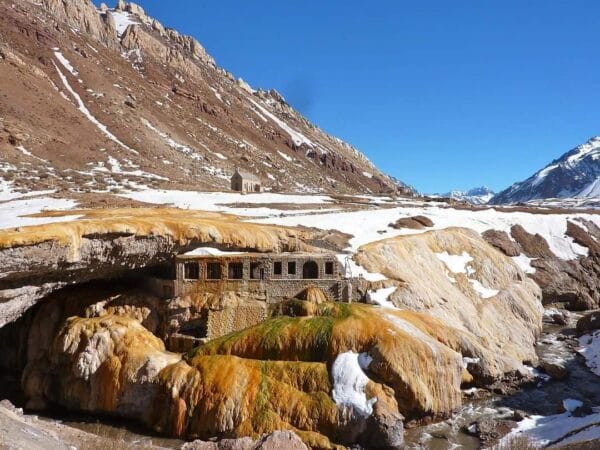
(441, 94)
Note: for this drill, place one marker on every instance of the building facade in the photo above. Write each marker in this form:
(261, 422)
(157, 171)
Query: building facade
(269, 276)
(245, 182)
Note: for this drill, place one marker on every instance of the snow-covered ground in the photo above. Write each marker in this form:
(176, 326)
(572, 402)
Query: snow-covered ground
(218, 201)
(367, 225)
(560, 429)
(590, 349)
(12, 212)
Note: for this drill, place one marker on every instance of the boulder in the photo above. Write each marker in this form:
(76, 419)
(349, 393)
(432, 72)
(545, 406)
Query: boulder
(556, 368)
(503, 242)
(589, 322)
(555, 316)
(280, 440)
(534, 246)
(415, 222)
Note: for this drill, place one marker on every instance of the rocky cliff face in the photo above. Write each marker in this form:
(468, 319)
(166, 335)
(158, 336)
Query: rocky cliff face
(109, 243)
(576, 174)
(107, 99)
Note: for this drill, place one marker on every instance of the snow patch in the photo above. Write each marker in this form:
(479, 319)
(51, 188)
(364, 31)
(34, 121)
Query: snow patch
(380, 297)
(524, 262)
(210, 251)
(349, 383)
(456, 263)
(590, 349)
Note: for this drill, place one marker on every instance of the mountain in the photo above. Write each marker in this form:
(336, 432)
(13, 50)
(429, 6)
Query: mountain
(476, 196)
(574, 178)
(98, 100)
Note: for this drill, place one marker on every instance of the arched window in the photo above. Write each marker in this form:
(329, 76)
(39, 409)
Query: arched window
(310, 270)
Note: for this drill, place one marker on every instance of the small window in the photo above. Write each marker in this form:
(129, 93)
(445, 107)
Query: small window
(191, 271)
(277, 268)
(292, 268)
(236, 271)
(257, 271)
(329, 268)
(213, 271)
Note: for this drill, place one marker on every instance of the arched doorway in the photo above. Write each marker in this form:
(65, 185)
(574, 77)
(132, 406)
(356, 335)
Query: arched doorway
(310, 270)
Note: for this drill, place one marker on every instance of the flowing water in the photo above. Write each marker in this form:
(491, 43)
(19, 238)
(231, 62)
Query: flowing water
(541, 398)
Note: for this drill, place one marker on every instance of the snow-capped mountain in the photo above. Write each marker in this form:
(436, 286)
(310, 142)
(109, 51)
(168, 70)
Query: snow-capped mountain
(575, 175)
(476, 196)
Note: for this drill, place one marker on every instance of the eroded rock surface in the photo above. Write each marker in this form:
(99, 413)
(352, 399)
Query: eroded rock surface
(455, 276)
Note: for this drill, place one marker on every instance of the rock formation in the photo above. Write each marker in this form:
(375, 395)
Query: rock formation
(40, 259)
(575, 282)
(457, 277)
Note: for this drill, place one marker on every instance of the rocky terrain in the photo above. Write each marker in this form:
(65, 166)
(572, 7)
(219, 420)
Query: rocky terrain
(117, 139)
(572, 179)
(83, 334)
(101, 100)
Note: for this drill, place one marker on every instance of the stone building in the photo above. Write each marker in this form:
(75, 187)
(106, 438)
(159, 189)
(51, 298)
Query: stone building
(242, 181)
(270, 276)
(236, 290)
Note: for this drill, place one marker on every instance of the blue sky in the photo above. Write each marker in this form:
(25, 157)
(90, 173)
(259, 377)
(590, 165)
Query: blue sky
(440, 94)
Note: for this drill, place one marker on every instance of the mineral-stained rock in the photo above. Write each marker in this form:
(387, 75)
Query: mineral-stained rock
(506, 320)
(111, 242)
(574, 283)
(589, 322)
(264, 378)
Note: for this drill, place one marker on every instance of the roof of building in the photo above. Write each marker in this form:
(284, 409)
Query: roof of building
(257, 255)
(247, 175)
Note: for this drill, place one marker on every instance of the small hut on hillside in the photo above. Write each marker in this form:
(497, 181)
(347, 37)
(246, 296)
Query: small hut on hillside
(242, 181)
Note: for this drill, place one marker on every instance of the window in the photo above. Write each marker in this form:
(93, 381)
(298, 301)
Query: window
(292, 268)
(310, 270)
(257, 272)
(213, 271)
(277, 268)
(191, 271)
(236, 271)
(329, 268)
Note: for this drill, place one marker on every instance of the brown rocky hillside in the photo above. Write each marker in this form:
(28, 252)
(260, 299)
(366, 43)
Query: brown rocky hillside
(104, 99)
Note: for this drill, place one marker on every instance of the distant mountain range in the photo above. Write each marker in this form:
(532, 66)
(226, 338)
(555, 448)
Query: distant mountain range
(476, 196)
(573, 179)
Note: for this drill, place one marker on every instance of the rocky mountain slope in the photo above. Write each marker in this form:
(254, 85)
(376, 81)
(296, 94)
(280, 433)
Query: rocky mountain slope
(575, 175)
(97, 100)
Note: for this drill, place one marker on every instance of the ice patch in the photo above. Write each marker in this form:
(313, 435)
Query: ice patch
(482, 290)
